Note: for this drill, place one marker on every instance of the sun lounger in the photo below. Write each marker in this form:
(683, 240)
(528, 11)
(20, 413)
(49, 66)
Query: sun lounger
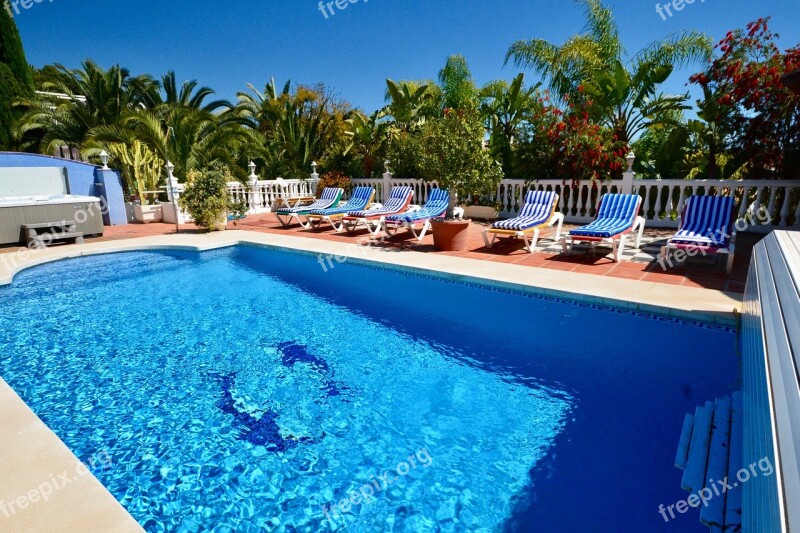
(288, 215)
(418, 221)
(398, 202)
(617, 217)
(537, 213)
(359, 200)
(706, 227)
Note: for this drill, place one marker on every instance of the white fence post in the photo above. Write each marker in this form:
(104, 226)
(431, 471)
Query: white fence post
(314, 177)
(171, 211)
(253, 201)
(387, 182)
(628, 176)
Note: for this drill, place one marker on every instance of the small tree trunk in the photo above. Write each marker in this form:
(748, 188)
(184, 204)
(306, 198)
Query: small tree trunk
(451, 205)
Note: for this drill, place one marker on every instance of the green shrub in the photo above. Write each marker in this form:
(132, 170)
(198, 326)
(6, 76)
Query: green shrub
(206, 198)
(455, 158)
(405, 154)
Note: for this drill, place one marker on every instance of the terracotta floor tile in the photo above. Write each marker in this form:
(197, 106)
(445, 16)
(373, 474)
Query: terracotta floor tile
(664, 278)
(705, 284)
(597, 271)
(504, 251)
(632, 265)
(626, 274)
(555, 265)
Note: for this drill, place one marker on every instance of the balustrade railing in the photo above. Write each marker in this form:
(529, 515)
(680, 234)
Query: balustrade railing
(765, 204)
(261, 196)
(770, 204)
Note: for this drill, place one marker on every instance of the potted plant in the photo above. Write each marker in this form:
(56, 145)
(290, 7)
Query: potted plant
(455, 158)
(207, 200)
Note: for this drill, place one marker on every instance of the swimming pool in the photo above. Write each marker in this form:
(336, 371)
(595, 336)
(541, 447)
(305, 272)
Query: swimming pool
(250, 389)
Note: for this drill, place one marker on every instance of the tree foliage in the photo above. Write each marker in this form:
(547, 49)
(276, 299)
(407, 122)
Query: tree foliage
(454, 156)
(16, 81)
(760, 115)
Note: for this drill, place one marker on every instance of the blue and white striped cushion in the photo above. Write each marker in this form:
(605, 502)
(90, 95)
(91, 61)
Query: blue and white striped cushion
(535, 211)
(329, 195)
(617, 213)
(397, 199)
(706, 221)
(436, 206)
(358, 200)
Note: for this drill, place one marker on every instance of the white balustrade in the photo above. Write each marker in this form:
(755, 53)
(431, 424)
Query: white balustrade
(264, 195)
(769, 204)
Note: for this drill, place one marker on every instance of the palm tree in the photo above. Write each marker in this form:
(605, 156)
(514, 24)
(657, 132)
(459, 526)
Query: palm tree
(627, 103)
(190, 138)
(408, 101)
(367, 138)
(597, 47)
(293, 129)
(458, 88)
(504, 108)
(623, 89)
(90, 97)
(189, 95)
(260, 111)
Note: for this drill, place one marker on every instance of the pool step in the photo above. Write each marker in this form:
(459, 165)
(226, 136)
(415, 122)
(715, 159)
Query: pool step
(710, 455)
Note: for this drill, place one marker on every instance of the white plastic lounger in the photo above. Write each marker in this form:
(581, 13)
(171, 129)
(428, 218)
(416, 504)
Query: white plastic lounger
(372, 220)
(417, 216)
(360, 199)
(706, 227)
(617, 217)
(330, 196)
(538, 212)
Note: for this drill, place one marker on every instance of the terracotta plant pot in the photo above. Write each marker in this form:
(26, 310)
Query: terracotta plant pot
(451, 235)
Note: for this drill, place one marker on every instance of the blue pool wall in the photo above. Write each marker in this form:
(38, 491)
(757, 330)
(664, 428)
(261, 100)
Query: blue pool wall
(760, 502)
(84, 179)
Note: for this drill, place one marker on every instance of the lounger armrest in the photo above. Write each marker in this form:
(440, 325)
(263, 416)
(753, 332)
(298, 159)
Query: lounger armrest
(414, 208)
(374, 207)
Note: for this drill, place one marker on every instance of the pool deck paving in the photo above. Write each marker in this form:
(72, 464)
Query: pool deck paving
(31, 454)
(698, 272)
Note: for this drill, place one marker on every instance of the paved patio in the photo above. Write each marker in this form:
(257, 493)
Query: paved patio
(639, 264)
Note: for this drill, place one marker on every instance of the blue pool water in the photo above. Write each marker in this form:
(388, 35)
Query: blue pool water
(244, 389)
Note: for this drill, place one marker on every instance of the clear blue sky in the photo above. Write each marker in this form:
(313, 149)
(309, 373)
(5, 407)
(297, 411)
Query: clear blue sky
(228, 44)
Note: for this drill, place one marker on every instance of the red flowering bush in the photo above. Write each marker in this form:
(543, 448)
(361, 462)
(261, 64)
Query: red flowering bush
(568, 145)
(761, 115)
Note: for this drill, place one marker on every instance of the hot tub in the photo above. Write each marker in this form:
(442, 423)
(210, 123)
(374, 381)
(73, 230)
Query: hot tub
(86, 211)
